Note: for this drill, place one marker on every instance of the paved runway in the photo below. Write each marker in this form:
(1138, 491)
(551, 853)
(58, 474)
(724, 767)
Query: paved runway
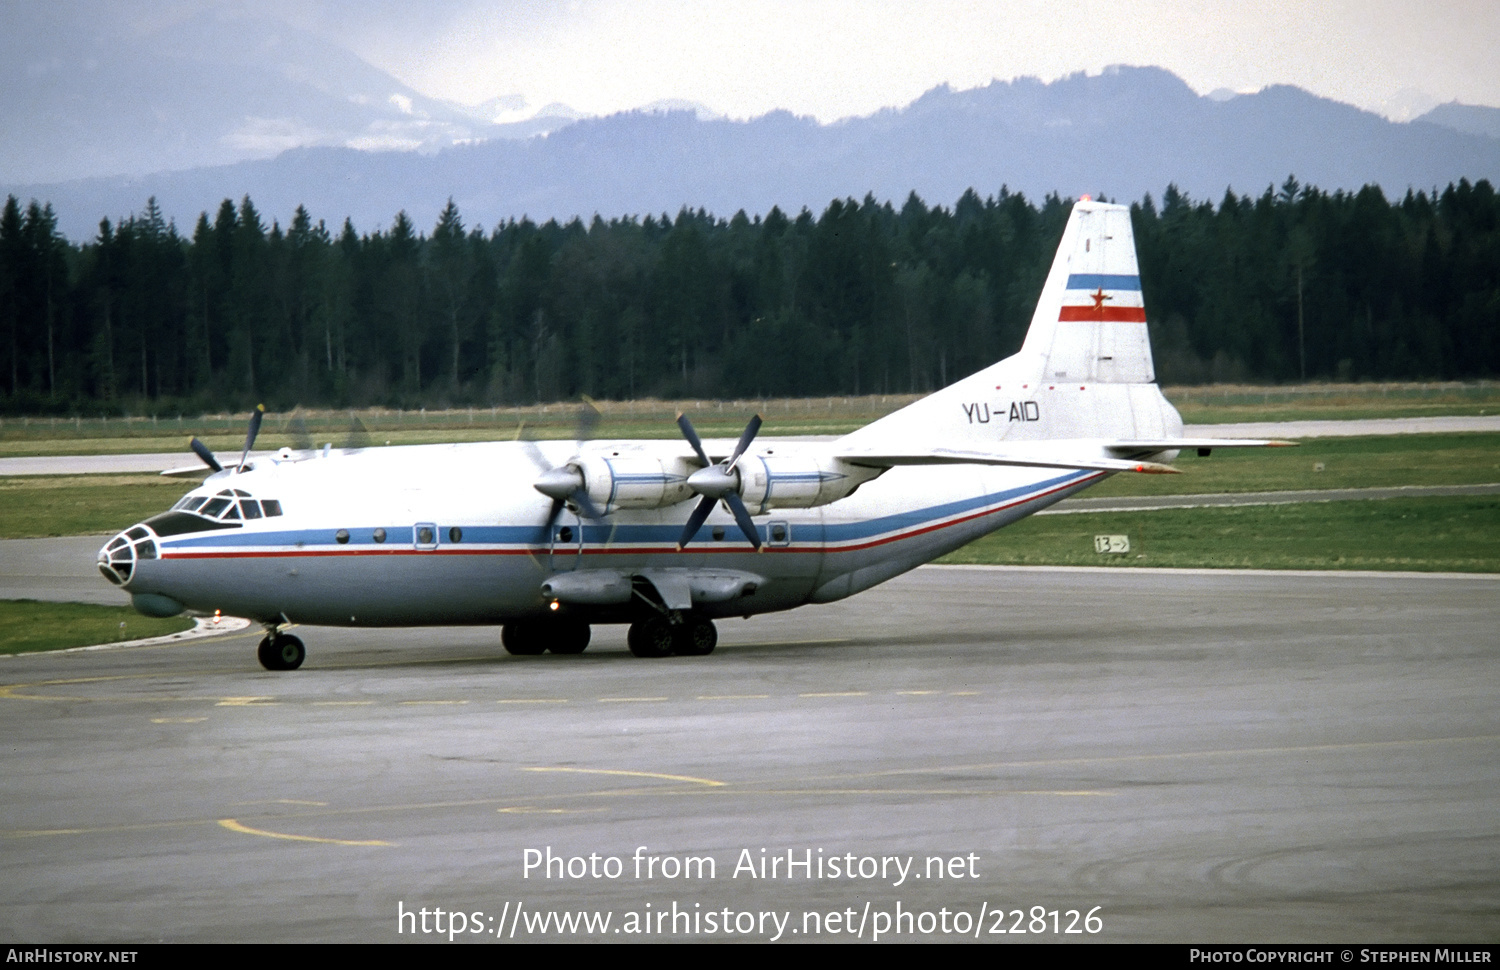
(1215, 756)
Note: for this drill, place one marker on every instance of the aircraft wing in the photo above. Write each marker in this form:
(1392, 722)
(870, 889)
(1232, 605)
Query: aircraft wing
(1030, 458)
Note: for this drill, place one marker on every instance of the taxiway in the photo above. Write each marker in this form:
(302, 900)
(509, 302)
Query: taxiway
(1205, 756)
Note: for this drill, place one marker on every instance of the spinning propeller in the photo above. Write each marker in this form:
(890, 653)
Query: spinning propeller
(719, 482)
(564, 483)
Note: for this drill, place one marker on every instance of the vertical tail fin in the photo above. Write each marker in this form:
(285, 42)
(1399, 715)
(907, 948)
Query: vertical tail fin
(1090, 323)
(1084, 370)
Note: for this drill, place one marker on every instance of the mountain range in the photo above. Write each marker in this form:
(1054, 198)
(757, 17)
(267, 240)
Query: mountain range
(210, 109)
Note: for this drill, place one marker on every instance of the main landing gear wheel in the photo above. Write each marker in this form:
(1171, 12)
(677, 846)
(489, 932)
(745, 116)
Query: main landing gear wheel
(522, 639)
(695, 638)
(528, 638)
(281, 651)
(569, 637)
(658, 636)
(650, 637)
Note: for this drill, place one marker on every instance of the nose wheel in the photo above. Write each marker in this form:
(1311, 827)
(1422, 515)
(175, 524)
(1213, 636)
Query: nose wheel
(281, 651)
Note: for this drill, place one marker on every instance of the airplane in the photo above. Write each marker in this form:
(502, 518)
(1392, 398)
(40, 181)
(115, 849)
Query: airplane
(546, 538)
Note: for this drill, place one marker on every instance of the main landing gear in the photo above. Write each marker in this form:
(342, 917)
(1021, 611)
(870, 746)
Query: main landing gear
(659, 636)
(529, 638)
(281, 651)
(663, 635)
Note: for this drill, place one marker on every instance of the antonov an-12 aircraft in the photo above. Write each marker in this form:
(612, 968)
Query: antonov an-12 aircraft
(548, 538)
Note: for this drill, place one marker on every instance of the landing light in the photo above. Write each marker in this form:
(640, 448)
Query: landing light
(554, 606)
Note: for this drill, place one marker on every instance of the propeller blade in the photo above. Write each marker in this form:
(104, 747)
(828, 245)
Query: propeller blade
(255, 418)
(296, 431)
(751, 430)
(742, 516)
(588, 420)
(201, 450)
(692, 437)
(358, 437)
(695, 521)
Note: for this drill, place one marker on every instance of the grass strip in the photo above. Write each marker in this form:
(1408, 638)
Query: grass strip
(27, 626)
(1424, 535)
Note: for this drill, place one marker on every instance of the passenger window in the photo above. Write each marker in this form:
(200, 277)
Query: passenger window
(379, 535)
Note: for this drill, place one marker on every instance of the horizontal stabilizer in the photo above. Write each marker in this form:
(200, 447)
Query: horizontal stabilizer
(889, 458)
(1150, 446)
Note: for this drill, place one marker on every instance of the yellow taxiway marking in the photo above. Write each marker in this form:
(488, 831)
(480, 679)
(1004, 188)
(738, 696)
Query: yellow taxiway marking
(341, 703)
(965, 693)
(435, 702)
(532, 810)
(532, 700)
(245, 702)
(630, 700)
(837, 693)
(733, 697)
(284, 801)
(234, 826)
(177, 720)
(918, 693)
(634, 774)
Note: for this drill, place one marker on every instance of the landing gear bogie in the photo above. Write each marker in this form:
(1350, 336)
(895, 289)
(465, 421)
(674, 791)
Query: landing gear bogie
(658, 636)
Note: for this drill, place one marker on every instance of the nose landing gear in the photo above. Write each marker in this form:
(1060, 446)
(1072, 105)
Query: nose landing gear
(280, 651)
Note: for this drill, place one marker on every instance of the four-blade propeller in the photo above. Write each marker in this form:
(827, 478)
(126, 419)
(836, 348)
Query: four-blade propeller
(718, 483)
(564, 483)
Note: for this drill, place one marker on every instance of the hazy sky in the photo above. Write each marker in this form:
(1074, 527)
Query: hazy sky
(837, 58)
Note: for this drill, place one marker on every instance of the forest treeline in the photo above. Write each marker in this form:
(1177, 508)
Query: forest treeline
(866, 297)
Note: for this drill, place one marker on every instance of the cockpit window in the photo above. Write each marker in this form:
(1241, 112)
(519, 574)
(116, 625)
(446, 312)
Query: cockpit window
(229, 505)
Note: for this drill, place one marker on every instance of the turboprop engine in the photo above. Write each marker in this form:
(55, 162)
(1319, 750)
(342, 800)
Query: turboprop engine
(616, 481)
(765, 481)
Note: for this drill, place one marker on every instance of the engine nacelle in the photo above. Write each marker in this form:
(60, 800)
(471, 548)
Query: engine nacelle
(797, 481)
(634, 481)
